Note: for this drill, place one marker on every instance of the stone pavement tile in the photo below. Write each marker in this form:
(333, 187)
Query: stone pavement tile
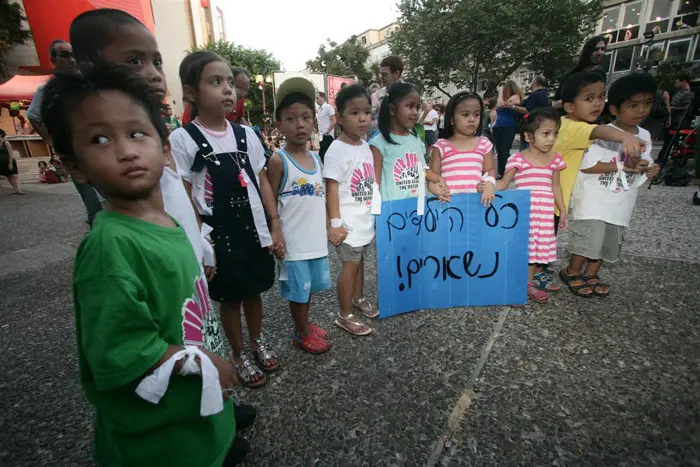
(595, 382)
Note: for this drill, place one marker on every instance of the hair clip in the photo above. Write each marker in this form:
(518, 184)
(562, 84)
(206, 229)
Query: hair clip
(526, 115)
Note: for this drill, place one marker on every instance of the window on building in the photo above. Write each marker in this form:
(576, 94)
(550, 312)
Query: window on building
(363, 40)
(611, 18)
(660, 9)
(685, 22)
(605, 63)
(632, 11)
(678, 50)
(623, 59)
(688, 6)
(696, 56)
(656, 51)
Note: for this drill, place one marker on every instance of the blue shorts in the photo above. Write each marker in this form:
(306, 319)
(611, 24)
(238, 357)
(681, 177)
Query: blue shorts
(305, 277)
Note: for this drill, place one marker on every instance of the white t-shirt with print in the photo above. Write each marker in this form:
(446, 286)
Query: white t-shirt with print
(184, 150)
(353, 168)
(432, 115)
(593, 198)
(325, 114)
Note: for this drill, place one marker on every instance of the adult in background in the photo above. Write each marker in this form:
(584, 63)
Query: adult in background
(506, 125)
(660, 117)
(441, 122)
(61, 55)
(391, 69)
(429, 119)
(325, 115)
(374, 87)
(8, 164)
(537, 99)
(680, 102)
(590, 59)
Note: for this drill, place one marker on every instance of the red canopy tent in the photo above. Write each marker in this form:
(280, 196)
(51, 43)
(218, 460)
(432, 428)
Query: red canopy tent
(21, 88)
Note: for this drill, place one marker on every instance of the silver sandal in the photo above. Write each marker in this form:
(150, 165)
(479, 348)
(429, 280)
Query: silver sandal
(351, 319)
(247, 372)
(264, 354)
(368, 311)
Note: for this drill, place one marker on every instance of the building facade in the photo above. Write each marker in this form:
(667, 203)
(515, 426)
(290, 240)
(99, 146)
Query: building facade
(641, 33)
(377, 42)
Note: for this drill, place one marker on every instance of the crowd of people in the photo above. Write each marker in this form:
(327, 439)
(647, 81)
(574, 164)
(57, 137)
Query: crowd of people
(197, 212)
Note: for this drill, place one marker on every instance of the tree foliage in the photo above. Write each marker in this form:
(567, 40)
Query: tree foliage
(346, 59)
(463, 42)
(256, 62)
(11, 30)
(669, 71)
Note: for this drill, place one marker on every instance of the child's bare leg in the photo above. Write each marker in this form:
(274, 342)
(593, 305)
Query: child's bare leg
(573, 269)
(230, 313)
(347, 281)
(359, 286)
(253, 318)
(592, 269)
(300, 315)
(530, 273)
(575, 265)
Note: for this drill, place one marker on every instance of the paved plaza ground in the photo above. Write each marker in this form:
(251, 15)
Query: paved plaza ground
(600, 382)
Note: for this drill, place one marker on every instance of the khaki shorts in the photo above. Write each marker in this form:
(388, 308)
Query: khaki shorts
(596, 239)
(351, 254)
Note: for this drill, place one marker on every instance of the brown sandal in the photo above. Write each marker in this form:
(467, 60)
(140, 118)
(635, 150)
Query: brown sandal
(576, 289)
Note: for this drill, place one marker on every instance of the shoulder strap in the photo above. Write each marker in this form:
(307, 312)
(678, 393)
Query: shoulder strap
(205, 148)
(242, 147)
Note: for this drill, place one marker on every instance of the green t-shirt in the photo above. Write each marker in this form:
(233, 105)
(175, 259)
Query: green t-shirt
(138, 288)
(399, 165)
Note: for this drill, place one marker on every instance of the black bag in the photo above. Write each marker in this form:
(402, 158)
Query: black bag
(658, 109)
(677, 177)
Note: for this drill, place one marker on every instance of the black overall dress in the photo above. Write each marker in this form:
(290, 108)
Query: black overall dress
(244, 268)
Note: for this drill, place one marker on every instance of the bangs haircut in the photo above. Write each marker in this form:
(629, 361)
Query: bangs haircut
(455, 100)
(630, 85)
(576, 82)
(350, 92)
(65, 92)
(532, 121)
(91, 32)
(291, 99)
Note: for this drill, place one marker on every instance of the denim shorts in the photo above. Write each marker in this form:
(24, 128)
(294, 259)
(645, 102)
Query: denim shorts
(304, 278)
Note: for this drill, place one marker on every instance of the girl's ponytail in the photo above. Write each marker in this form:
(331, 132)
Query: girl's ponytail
(394, 94)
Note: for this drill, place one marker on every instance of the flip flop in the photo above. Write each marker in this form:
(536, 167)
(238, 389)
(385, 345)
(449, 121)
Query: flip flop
(343, 322)
(363, 305)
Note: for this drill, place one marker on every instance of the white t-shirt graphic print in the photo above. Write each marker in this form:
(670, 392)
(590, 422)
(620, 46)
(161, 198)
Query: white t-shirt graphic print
(353, 168)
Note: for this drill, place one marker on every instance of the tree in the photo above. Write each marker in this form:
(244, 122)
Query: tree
(256, 62)
(668, 72)
(12, 32)
(346, 59)
(487, 39)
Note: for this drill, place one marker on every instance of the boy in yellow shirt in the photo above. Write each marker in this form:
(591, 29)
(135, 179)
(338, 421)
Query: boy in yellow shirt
(583, 95)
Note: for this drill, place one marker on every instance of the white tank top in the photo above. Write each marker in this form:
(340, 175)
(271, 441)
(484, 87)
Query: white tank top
(302, 210)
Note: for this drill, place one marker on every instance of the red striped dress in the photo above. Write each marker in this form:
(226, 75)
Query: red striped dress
(462, 170)
(538, 179)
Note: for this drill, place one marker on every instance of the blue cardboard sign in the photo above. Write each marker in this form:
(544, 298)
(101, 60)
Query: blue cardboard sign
(457, 254)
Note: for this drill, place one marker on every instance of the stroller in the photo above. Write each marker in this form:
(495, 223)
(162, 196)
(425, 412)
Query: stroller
(674, 159)
(683, 149)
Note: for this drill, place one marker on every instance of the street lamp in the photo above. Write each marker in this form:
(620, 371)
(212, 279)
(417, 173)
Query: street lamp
(261, 80)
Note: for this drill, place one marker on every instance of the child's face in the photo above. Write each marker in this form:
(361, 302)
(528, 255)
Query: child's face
(136, 47)
(215, 94)
(296, 123)
(634, 111)
(588, 104)
(544, 137)
(118, 148)
(406, 110)
(356, 116)
(467, 117)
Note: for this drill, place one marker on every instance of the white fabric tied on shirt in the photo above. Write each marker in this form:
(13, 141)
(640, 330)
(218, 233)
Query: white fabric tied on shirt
(619, 175)
(207, 248)
(376, 207)
(153, 387)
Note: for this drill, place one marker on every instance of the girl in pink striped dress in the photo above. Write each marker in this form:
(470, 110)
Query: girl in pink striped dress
(537, 169)
(463, 158)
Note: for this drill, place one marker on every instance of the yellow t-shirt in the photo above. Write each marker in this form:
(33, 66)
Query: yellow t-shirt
(573, 140)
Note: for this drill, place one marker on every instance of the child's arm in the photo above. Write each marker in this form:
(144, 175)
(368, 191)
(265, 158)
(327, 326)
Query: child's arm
(489, 189)
(275, 172)
(377, 164)
(559, 200)
(438, 189)
(504, 182)
(270, 203)
(336, 234)
(631, 145)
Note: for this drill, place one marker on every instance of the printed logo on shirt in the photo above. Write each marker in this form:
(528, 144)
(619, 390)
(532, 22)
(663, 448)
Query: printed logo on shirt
(605, 179)
(199, 326)
(208, 191)
(301, 187)
(406, 172)
(361, 182)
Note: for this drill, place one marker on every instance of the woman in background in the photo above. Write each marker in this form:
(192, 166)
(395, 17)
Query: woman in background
(506, 122)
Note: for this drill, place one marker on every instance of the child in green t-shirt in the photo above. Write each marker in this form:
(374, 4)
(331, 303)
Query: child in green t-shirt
(137, 286)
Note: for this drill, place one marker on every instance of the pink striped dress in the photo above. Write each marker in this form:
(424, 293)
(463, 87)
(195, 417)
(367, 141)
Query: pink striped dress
(538, 179)
(462, 170)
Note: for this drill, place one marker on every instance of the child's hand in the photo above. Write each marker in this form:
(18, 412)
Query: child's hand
(480, 186)
(337, 235)
(633, 146)
(277, 247)
(227, 375)
(210, 272)
(653, 171)
(563, 222)
(487, 194)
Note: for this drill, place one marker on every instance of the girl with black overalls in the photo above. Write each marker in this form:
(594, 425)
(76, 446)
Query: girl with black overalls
(223, 166)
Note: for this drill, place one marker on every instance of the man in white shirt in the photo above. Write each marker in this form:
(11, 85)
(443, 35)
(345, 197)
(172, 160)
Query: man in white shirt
(430, 119)
(326, 123)
(391, 69)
